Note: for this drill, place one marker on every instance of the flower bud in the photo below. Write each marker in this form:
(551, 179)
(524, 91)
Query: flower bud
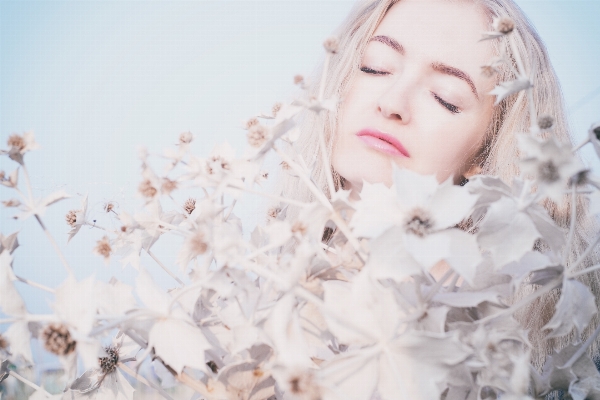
(57, 340)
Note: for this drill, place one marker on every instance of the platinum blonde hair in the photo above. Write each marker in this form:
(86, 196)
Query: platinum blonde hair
(498, 154)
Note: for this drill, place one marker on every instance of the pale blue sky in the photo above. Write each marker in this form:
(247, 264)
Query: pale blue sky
(95, 79)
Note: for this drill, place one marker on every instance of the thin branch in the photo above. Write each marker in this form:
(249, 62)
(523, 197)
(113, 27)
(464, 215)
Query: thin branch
(27, 183)
(35, 285)
(29, 383)
(580, 145)
(164, 267)
(55, 245)
(140, 378)
(582, 349)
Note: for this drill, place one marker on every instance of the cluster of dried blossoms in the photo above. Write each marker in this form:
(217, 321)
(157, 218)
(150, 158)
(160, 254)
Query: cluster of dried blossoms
(330, 305)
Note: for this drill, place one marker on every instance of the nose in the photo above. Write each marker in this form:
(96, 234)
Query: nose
(393, 102)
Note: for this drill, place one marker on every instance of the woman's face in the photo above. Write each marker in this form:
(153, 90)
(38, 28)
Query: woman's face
(420, 86)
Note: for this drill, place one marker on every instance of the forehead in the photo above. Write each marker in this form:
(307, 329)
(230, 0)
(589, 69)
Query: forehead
(440, 30)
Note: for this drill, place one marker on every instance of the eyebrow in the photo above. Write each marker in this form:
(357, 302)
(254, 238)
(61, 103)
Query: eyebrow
(436, 66)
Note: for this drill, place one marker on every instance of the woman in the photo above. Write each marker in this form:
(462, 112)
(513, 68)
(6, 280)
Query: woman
(413, 92)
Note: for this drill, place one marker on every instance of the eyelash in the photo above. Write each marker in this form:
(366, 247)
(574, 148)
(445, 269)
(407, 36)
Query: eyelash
(450, 107)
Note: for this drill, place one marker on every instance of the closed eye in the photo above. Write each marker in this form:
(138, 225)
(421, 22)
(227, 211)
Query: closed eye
(372, 71)
(450, 107)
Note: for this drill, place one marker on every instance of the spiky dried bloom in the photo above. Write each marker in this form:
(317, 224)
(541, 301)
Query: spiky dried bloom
(103, 248)
(257, 135)
(108, 207)
(197, 243)
(298, 79)
(419, 222)
(190, 205)
(71, 217)
(17, 142)
(331, 45)
(251, 122)
(186, 137)
(167, 186)
(57, 340)
(276, 108)
(146, 189)
(504, 25)
(545, 121)
(3, 343)
(548, 172)
(488, 71)
(302, 385)
(285, 166)
(109, 363)
(273, 212)
(11, 203)
(299, 228)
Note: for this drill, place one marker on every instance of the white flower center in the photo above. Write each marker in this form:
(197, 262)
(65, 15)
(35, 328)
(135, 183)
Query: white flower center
(419, 222)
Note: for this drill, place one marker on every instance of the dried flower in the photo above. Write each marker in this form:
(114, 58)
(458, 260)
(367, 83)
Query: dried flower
(197, 243)
(419, 222)
(167, 186)
(2, 175)
(71, 217)
(186, 137)
(276, 108)
(146, 189)
(545, 121)
(285, 166)
(331, 45)
(16, 142)
(57, 340)
(273, 212)
(190, 205)
(251, 122)
(103, 248)
(298, 80)
(3, 343)
(109, 363)
(108, 207)
(488, 71)
(504, 25)
(257, 135)
(11, 203)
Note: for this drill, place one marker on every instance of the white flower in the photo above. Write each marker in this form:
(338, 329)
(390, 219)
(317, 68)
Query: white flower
(505, 89)
(550, 163)
(423, 210)
(19, 145)
(77, 218)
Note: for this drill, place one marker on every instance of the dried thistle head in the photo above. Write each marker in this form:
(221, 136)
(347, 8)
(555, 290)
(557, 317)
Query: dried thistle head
(167, 185)
(257, 135)
(488, 71)
(146, 189)
(16, 142)
(108, 207)
(186, 137)
(103, 248)
(190, 205)
(276, 108)
(302, 385)
(71, 217)
(299, 228)
(197, 243)
(545, 121)
(3, 343)
(285, 166)
(109, 363)
(419, 222)
(57, 339)
(331, 45)
(273, 212)
(298, 80)
(251, 122)
(504, 25)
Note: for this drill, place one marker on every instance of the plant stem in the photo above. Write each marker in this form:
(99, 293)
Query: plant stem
(582, 349)
(438, 285)
(167, 270)
(53, 242)
(36, 285)
(29, 383)
(585, 254)
(569, 244)
(198, 386)
(575, 274)
(140, 378)
(580, 145)
(271, 196)
(28, 183)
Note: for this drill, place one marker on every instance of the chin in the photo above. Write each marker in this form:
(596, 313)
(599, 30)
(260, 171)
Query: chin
(358, 169)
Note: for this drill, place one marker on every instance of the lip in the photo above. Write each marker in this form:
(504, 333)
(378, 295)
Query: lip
(382, 142)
